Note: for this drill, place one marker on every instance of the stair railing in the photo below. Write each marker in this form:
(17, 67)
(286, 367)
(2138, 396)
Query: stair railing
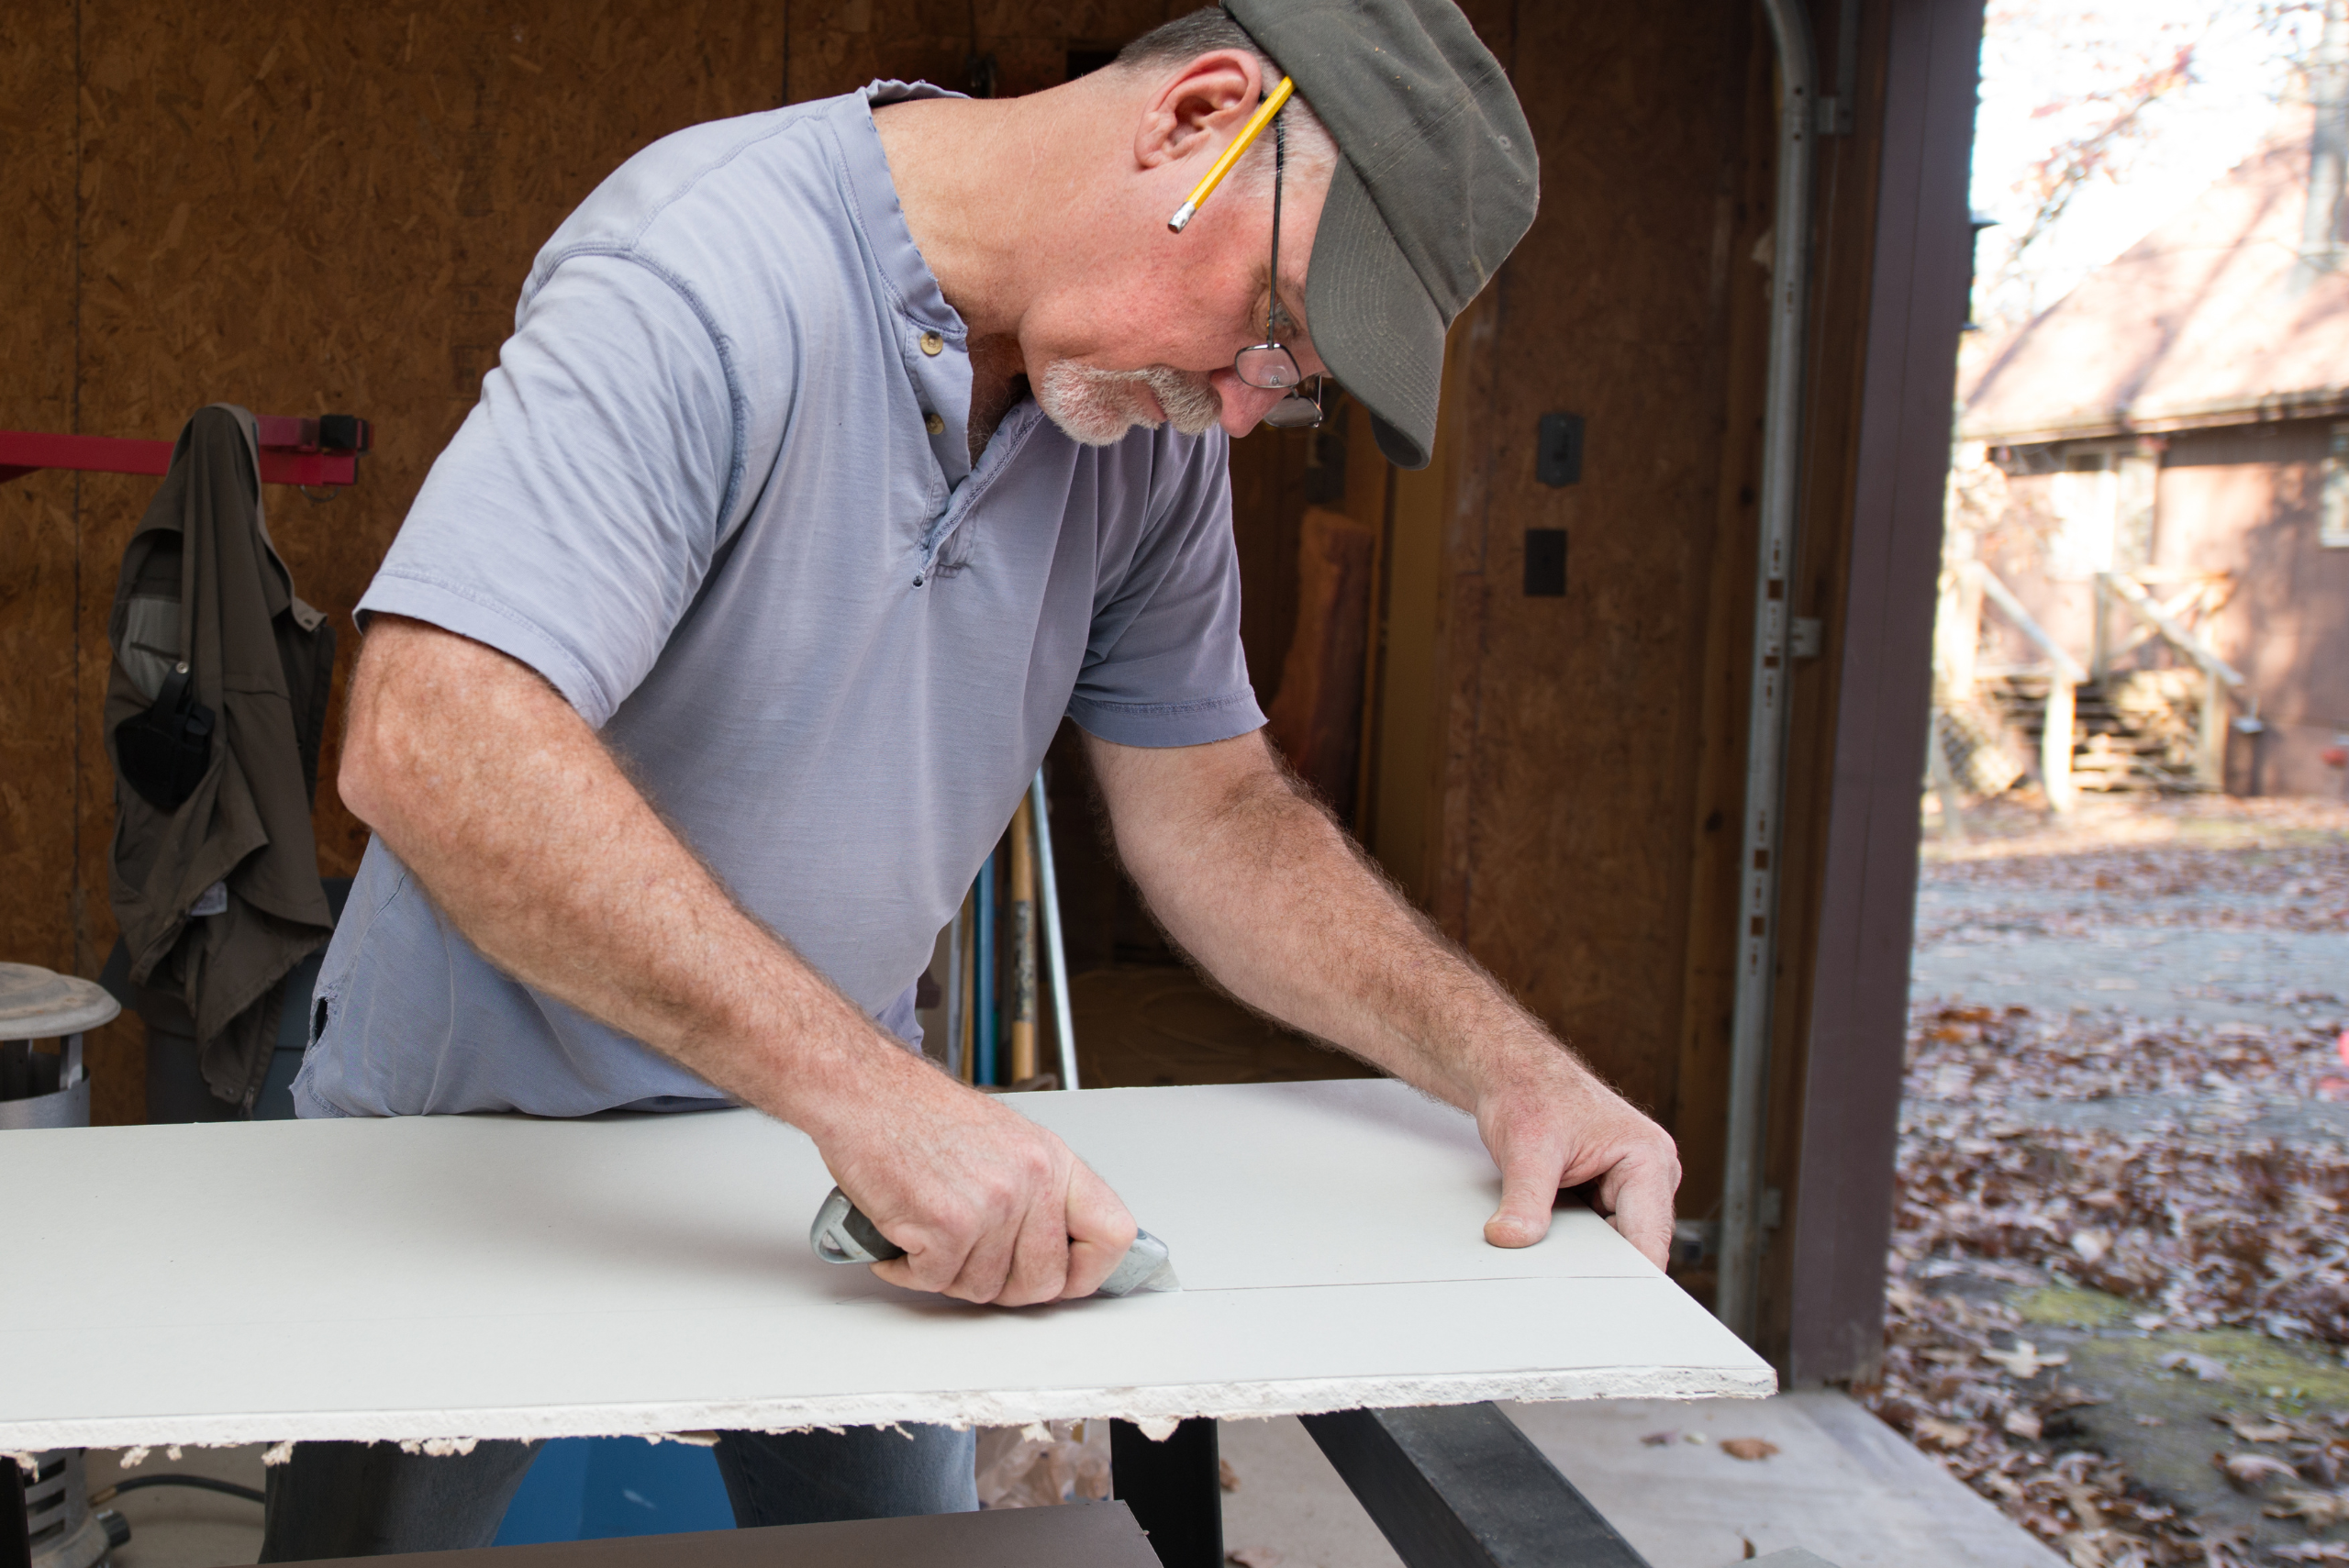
(2064, 676)
(2210, 742)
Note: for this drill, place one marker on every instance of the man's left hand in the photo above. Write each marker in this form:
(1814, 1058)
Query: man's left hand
(1551, 1124)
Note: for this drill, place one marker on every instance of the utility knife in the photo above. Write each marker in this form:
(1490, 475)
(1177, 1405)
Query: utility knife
(842, 1234)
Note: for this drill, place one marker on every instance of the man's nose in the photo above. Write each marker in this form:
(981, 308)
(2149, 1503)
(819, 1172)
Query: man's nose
(1243, 405)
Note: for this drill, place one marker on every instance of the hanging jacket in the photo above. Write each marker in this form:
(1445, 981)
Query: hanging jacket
(215, 709)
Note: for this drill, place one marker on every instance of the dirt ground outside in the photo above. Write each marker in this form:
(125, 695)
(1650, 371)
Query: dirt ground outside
(2120, 1283)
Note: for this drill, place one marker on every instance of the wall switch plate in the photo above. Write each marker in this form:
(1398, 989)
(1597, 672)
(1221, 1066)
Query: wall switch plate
(1557, 456)
(1545, 563)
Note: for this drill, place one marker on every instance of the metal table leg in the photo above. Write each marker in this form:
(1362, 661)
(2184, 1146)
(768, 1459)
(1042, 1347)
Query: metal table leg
(1460, 1486)
(1173, 1490)
(16, 1523)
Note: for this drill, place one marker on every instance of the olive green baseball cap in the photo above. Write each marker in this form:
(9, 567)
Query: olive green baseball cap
(1436, 182)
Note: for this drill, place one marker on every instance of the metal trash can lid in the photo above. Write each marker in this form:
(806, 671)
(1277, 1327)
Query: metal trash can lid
(37, 1004)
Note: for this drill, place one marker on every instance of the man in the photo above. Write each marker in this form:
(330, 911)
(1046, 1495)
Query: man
(838, 454)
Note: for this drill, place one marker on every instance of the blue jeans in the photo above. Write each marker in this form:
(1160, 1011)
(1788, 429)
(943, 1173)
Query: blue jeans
(353, 1499)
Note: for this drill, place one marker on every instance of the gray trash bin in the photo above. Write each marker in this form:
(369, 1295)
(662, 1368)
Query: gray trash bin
(46, 1088)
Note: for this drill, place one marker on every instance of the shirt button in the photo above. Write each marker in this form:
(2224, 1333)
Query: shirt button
(934, 423)
(931, 343)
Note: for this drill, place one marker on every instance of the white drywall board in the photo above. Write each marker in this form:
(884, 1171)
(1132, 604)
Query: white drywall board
(501, 1276)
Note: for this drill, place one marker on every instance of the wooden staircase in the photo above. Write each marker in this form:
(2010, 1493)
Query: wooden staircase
(2162, 727)
(2135, 732)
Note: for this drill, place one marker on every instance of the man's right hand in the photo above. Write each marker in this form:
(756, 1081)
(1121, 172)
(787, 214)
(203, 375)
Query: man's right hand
(988, 1206)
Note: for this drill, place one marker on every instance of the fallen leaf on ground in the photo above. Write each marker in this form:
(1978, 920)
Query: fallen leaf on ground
(2082, 1503)
(2318, 1510)
(2252, 1430)
(2203, 1367)
(1948, 1434)
(1227, 1477)
(1657, 1439)
(1252, 1557)
(2024, 1361)
(2314, 1552)
(2024, 1424)
(2253, 1471)
(2151, 1421)
(1748, 1448)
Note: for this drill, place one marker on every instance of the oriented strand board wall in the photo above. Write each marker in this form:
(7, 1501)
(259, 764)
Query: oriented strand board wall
(1563, 855)
(38, 557)
(325, 211)
(845, 43)
(299, 214)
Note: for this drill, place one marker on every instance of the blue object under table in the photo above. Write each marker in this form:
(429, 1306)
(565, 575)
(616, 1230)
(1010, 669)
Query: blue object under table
(599, 1488)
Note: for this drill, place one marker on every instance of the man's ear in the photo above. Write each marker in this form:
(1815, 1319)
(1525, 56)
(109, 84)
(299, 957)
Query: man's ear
(1201, 106)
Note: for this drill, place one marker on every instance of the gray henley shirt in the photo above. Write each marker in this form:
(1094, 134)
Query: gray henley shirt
(717, 491)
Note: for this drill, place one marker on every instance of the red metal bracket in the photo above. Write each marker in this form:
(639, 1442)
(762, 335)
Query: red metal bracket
(323, 450)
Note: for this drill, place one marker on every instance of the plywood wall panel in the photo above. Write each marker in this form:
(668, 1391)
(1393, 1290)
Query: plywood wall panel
(37, 555)
(304, 218)
(844, 44)
(1579, 774)
(301, 213)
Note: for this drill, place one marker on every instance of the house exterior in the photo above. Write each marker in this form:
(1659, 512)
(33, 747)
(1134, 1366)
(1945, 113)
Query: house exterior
(2181, 419)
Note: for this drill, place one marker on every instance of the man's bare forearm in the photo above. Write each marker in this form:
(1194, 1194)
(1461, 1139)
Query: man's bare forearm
(1272, 898)
(530, 837)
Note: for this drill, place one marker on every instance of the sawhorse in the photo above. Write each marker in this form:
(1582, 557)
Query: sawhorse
(1450, 1486)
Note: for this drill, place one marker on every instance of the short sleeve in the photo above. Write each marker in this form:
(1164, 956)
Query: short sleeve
(1163, 664)
(572, 519)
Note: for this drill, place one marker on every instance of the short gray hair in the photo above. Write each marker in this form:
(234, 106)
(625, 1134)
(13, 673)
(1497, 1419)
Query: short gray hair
(1309, 150)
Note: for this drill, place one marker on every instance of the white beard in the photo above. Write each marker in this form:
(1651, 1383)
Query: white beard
(1097, 408)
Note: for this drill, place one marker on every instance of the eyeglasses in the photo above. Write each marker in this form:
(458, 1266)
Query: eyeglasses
(1269, 366)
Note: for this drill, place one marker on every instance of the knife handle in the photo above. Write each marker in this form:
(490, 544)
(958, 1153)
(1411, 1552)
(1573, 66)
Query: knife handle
(842, 1235)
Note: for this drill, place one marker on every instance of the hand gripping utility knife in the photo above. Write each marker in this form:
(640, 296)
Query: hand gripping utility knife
(842, 1235)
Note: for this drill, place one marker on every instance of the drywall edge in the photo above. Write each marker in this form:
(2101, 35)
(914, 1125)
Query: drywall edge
(1249, 1401)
